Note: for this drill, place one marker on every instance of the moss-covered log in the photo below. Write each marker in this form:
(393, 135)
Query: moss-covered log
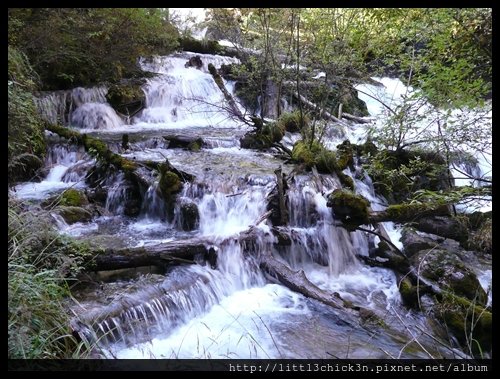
(353, 210)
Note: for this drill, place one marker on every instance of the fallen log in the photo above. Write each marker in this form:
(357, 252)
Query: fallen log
(360, 120)
(229, 98)
(132, 169)
(322, 112)
(182, 251)
(298, 282)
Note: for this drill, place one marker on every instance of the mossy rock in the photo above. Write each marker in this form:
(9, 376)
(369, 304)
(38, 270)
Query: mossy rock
(72, 214)
(408, 292)
(170, 183)
(190, 216)
(121, 95)
(304, 152)
(350, 208)
(448, 227)
(256, 141)
(447, 270)
(346, 180)
(466, 318)
(345, 153)
(74, 198)
(268, 134)
(326, 162)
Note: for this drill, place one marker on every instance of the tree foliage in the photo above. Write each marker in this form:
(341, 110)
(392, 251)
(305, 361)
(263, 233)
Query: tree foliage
(80, 46)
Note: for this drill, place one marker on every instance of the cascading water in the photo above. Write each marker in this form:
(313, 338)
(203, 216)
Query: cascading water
(227, 307)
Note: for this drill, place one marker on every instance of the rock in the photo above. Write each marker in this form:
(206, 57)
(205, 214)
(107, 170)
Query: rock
(73, 197)
(169, 186)
(189, 216)
(349, 207)
(195, 62)
(470, 323)
(127, 98)
(74, 214)
(408, 292)
(133, 200)
(414, 243)
(345, 155)
(447, 270)
(444, 226)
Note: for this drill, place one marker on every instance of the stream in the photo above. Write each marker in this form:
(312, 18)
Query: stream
(232, 310)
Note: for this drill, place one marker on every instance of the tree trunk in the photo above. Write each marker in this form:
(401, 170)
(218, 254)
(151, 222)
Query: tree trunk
(229, 98)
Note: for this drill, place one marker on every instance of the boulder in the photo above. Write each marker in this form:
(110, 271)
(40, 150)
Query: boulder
(447, 227)
(195, 62)
(72, 214)
(446, 269)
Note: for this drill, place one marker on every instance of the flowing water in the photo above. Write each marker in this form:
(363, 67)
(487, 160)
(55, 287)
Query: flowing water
(230, 310)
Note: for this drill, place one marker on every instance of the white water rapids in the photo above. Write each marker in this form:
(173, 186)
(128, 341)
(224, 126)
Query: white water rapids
(232, 310)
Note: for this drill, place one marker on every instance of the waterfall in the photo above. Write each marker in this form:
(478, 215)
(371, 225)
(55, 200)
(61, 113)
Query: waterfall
(224, 305)
(58, 106)
(184, 96)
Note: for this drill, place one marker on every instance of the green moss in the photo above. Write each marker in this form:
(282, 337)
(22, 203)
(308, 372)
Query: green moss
(303, 152)
(170, 183)
(405, 212)
(201, 47)
(352, 209)
(120, 95)
(74, 214)
(465, 318)
(346, 180)
(264, 138)
(326, 162)
(345, 155)
(448, 270)
(195, 145)
(73, 197)
(408, 293)
(290, 122)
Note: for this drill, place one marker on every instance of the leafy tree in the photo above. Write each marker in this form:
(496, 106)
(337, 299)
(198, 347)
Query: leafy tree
(81, 46)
